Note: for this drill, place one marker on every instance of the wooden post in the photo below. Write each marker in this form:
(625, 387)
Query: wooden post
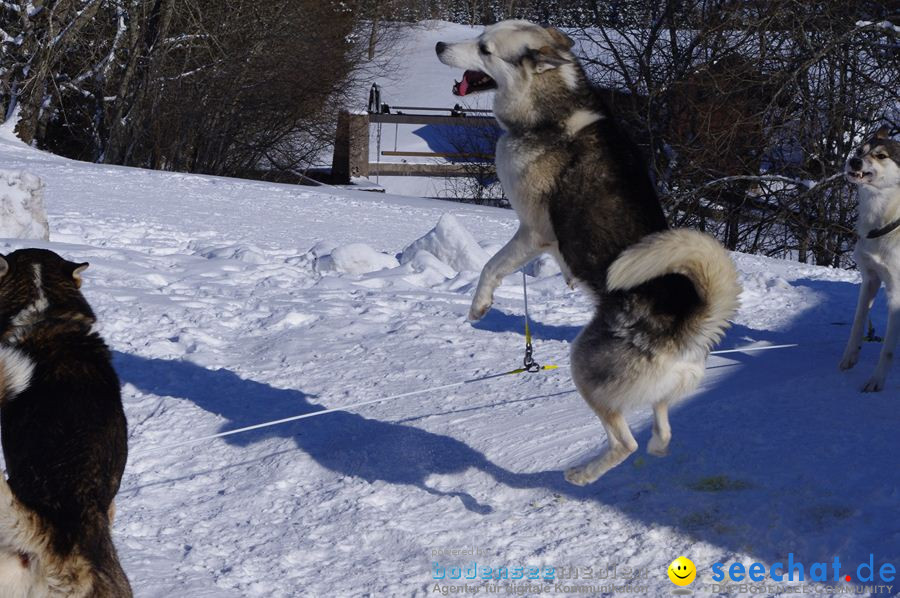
(351, 147)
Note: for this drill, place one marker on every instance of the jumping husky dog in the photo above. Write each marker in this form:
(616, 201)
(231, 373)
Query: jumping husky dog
(875, 169)
(63, 432)
(582, 192)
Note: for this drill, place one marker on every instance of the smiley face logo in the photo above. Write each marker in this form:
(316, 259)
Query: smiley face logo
(682, 571)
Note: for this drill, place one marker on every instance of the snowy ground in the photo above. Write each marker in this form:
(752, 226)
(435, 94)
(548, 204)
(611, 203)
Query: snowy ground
(219, 316)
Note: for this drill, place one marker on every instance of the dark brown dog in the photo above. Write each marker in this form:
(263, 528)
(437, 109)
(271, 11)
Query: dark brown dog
(64, 435)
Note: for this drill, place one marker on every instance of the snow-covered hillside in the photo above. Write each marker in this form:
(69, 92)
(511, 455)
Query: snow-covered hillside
(230, 302)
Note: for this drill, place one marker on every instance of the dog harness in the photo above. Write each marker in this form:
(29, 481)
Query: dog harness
(880, 232)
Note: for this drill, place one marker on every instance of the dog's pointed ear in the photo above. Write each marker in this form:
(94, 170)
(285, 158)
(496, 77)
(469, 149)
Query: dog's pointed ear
(545, 59)
(883, 132)
(76, 273)
(4, 266)
(560, 39)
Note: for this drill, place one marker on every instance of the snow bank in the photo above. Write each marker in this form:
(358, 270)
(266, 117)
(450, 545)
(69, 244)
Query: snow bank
(355, 258)
(22, 214)
(426, 270)
(241, 252)
(451, 243)
(322, 249)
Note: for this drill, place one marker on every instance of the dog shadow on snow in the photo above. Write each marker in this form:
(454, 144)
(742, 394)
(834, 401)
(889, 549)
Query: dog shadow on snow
(343, 442)
(780, 454)
(497, 320)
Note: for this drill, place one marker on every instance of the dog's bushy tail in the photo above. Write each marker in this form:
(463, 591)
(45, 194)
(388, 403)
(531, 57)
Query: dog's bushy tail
(694, 255)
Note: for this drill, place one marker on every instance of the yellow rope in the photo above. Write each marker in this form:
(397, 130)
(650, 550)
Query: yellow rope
(530, 365)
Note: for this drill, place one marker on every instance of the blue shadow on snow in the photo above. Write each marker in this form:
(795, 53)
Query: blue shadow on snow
(781, 454)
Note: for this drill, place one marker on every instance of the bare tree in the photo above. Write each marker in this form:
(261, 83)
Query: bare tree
(747, 111)
(224, 87)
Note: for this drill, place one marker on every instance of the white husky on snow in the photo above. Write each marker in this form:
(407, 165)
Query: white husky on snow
(875, 168)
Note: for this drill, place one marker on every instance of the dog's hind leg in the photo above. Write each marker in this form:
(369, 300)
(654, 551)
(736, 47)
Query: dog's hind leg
(516, 253)
(662, 431)
(876, 382)
(867, 291)
(620, 443)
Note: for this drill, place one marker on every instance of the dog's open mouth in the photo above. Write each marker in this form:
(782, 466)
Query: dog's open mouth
(473, 82)
(857, 175)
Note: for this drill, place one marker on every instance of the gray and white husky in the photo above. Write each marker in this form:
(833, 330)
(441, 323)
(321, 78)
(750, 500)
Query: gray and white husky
(582, 192)
(875, 168)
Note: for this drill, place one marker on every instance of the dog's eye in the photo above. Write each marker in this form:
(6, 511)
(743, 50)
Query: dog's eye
(881, 156)
(483, 49)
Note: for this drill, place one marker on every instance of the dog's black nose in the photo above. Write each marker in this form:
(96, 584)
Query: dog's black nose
(440, 47)
(855, 163)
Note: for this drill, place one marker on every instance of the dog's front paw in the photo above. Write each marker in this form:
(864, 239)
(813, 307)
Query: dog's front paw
(849, 360)
(875, 384)
(478, 310)
(578, 476)
(657, 448)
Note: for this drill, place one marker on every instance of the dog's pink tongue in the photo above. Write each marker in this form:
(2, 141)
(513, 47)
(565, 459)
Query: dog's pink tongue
(460, 88)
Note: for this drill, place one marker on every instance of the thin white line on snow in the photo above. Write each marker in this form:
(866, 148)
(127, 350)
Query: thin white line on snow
(383, 399)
